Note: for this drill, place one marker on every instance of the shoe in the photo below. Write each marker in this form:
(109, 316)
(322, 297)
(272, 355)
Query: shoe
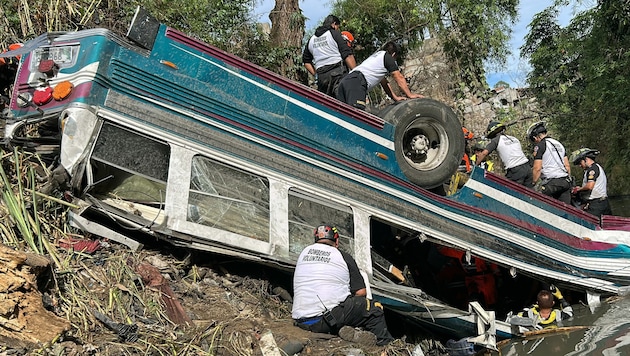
(361, 337)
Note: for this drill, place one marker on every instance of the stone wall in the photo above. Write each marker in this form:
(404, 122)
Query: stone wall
(429, 73)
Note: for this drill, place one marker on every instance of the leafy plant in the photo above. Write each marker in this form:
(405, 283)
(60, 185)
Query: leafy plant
(580, 77)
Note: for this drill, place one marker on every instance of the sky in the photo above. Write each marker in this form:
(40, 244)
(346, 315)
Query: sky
(516, 69)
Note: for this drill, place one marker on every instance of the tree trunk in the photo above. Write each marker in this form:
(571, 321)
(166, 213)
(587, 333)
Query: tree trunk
(287, 31)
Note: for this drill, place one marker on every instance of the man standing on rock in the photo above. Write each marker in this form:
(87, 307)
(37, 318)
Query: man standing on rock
(330, 293)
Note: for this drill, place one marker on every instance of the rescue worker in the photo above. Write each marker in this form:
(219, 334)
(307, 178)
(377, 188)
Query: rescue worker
(350, 41)
(484, 162)
(460, 177)
(468, 136)
(593, 183)
(543, 312)
(517, 168)
(551, 164)
(325, 54)
(480, 278)
(330, 293)
(353, 88)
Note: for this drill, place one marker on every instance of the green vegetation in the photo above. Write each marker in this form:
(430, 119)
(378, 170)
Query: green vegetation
(471, 32)
(228, 25)
(580, 76)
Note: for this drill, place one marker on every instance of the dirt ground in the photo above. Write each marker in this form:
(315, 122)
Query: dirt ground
(63, 292)
(197, 304)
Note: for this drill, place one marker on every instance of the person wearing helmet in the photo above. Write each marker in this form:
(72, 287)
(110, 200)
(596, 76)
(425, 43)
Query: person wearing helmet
(478, 159)
(350, 41)
(325, 54)
(517, 168)
(594, 182)
(551, 164)
(353, 88)
(330, 293)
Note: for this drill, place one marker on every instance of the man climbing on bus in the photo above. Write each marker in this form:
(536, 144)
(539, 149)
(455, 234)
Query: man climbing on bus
(353, 88)
(330, 293)
(328, 56)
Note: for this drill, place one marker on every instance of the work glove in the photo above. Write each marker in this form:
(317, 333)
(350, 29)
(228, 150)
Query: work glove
(556, 292)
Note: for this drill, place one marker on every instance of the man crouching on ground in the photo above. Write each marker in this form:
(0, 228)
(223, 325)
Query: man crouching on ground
(329, 292)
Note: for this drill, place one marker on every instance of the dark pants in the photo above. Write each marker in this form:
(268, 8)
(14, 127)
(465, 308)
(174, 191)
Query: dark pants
(559, 188)
(598, 207)
(354, 311)
(328, 78)
(520, 174)
(353, 90)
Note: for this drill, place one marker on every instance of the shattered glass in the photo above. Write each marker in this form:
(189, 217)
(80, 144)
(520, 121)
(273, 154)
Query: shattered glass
(228, 199)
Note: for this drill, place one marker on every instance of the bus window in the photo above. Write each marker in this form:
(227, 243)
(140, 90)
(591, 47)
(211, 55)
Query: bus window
(228, 199)
(307, 212)
(136, 173)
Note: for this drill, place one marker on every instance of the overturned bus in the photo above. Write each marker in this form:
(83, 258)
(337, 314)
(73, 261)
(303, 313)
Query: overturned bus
(165, 135)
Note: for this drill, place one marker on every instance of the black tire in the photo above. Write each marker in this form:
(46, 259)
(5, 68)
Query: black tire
(429, 141)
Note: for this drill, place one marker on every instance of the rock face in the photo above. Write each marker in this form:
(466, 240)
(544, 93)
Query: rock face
(428, 72)
(24, 322)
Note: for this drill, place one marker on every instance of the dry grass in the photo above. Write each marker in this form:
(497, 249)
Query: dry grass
(106, 281)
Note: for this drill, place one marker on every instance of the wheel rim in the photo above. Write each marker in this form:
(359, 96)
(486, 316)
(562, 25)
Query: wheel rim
(425, 144)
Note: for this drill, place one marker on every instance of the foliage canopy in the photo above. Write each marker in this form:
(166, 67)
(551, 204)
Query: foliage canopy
(472, 32)
(580, 75)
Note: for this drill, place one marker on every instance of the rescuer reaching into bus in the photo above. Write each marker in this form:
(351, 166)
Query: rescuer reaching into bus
(543, 312)
(481, 161)
(330, 293)
(517, 168)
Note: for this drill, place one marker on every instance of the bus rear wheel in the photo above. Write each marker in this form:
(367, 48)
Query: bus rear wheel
(428, 140)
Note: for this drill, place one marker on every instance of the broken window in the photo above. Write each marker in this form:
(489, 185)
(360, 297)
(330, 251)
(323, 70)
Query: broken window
(306, 213)
(229, 199)
(130, 166)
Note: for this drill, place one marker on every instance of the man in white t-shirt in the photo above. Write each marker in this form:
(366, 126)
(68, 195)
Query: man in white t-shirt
(517, 168)
(329, 291)
(353, 88)
(551, 164)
